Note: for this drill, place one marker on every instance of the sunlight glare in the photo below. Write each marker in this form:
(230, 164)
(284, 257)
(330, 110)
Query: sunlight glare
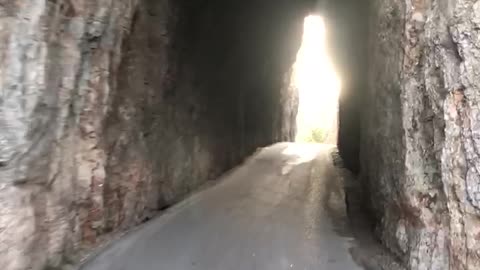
(317, 83)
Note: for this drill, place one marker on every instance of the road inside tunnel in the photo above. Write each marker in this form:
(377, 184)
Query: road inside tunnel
(282, 209)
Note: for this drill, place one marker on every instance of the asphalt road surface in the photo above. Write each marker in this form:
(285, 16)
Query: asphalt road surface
(282, 209)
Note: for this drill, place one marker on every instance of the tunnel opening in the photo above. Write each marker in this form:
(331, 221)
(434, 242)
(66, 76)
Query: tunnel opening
(112, 111)
(318, 86)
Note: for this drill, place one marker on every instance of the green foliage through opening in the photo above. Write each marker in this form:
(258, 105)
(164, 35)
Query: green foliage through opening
(315, 135)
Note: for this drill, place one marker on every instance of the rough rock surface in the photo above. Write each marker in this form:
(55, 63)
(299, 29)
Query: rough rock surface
(420, 131)
(113, 109)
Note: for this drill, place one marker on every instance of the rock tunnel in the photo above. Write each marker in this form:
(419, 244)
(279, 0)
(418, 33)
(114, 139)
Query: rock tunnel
(113, 110)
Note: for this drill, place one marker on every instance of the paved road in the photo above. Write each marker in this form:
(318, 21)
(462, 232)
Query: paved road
(275, 212)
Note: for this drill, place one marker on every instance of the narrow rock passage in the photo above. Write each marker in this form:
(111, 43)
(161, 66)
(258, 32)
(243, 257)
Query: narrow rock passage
(276, 211)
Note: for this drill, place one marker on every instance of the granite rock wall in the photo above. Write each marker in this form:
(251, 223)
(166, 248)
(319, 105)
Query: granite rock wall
(419, 125)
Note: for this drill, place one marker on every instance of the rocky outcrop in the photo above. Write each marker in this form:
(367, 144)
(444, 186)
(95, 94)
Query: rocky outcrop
(113, 109)
(419, 157)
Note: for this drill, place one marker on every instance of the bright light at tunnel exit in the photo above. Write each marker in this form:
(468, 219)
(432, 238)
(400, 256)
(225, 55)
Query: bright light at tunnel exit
(318, 86)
